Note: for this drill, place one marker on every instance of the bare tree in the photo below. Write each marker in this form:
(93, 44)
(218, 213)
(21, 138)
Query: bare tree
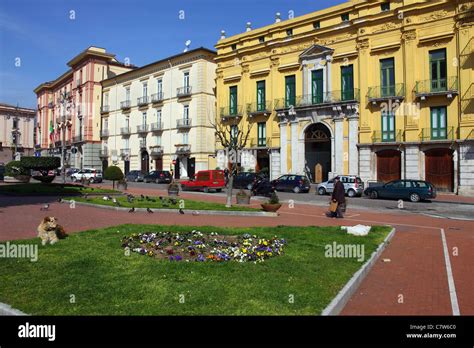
(233, 136)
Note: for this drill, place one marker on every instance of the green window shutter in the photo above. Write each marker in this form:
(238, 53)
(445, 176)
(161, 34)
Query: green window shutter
(261, 96)
(438, 70)
(290, 91)
(387, 77)
(347, 82)
(233, 100)
(317, 81)
(438, 123)
(388, 126)
(262, 134)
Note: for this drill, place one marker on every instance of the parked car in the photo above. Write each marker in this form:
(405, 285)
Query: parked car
(414, 190)
(158, 177)
(91, 174)
(262, 187)
(71, 171)
(205, 180)
(245, 180)
(135, 175)
(2, 171)
(292, 182)
(353, 185)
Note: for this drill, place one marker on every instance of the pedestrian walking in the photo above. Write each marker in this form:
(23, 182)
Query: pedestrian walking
(338, 199)
(226, 176)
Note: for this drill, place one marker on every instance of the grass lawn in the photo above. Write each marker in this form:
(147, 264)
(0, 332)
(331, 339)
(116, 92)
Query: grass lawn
(139, 203)
(60, 189)
(93, 267)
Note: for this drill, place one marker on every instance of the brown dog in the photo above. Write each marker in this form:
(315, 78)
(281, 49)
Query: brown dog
(50, 231)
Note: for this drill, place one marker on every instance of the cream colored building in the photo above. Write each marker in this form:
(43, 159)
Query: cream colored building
(158, 117)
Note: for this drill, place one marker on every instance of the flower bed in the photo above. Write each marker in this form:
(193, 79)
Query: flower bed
(196, 246)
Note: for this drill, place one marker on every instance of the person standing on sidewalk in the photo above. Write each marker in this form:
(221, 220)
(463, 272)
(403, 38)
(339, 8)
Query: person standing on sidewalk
(339, 196)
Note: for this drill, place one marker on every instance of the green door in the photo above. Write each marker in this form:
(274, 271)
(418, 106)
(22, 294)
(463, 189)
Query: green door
(290, 91)
(388, 126)
(260, 95)
(317, 86)
(387, 77)
(347, 82)
(233, 100)
(438, 123)
(438, 70)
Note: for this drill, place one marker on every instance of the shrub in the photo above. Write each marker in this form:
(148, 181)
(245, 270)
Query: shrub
(15, 168)
(274, 198)
(42, 164)
(113, 173)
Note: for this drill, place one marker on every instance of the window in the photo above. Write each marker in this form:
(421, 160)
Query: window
(127, 122)
(127, 93)
(385, 6)
(233, 100)
(289, 32)
(388, 126)
(15, 124)
(158, 116)
(158, 140)
(317, 86)
(234, 132)
(260, 95)
(387, 77)
(145, 89)
(144, 118)
(233, 47)
(106, 123)
(186, 112)
(317, 25)
(159, 87)
(106, 99)
(438, 70)
(262, 140)
(261, 39)
(290, 91)
(345, 17)
(126, 143)
(186, 79)
(438, 123)
(204, 176)
(347, 82)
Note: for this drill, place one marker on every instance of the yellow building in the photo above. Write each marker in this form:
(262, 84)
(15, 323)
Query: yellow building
(380, 89)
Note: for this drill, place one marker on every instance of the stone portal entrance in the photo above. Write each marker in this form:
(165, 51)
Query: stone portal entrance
(317, 140)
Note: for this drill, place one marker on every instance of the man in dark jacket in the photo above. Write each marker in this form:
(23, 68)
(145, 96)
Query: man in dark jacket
(339, 196)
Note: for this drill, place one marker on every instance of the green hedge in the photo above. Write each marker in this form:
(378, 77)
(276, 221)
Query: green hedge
(15, 168)
(40, 163)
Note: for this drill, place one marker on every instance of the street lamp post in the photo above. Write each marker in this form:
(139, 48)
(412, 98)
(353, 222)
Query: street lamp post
(65, 101)
(15, 131)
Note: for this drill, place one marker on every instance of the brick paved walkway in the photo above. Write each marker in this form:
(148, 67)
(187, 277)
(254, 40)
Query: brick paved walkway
(417, 270)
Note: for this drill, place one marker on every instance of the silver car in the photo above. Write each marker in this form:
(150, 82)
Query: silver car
(353, 185)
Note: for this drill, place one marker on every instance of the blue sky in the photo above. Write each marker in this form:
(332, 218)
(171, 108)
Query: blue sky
(41, 37)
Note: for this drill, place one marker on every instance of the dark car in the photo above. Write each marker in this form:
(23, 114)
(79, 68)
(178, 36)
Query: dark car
(262, 187)
(135, 175)
(158, 177)
(245, 180)
(414, 190)
(292, 182)
(2, 171)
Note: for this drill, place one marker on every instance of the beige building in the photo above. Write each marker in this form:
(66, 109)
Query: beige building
(158, 117)
(16, 132)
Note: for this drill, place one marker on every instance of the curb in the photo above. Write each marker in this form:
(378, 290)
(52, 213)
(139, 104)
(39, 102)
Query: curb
(175, 211)
(341, 299)
(6, 309)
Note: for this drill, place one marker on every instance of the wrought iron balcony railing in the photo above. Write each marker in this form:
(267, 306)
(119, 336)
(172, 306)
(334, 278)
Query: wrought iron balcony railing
(437, 86)
(126, 104)
(142, 128)
(183, 149)
(320, 99)
(143, 101)
(157, 97)
(156, 150)
(104, 153)
(396, 91)
(105, 108)
(156, 127)
(125, 131)
(259, 108)
(77, 139)
(393, 136)
(183, 123)
(183, 91)
(430, 134)
(260, 142)
(125, 152)
(231, 111)
(104, 133)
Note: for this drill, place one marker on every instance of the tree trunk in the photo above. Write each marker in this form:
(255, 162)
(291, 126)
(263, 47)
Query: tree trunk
(228, 203)
(113, 184)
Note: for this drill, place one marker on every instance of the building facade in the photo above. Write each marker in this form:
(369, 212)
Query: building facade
(159, 117)
(17, 126)
(380, 89)
(69, 109)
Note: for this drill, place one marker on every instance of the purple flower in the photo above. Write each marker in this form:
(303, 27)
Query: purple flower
(200, 257)
(178, 258)
(171, 258)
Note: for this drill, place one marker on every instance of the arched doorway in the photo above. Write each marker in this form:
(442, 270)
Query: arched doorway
(389, 165)
(145, 162)
(439, 168)
(317, 139)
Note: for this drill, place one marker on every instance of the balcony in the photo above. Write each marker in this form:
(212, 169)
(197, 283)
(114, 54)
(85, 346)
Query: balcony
(319, 100)
(143, 101)
(105, 109)
(68, 142)
(156, 151)
(77, 139)
(438, 134)
(384, 93)
(183, 123)
(78, 83)
(427, 88)
(183, 92)
(231, 113)
(142, 128)
(255, 109)
(183, 149)
(261, 142)
(142, 144)
(126, 104)
(125, 153)
(157, 98)
(388, 136)
(104, 153)
(125, 131)
(104, 133)
(156, 127)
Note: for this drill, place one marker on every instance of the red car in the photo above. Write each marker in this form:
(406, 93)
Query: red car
(205, 180)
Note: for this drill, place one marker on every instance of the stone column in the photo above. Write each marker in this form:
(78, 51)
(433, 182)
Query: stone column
(295, 165)
(283, 148)
(353, 140)
(339, 145)
(455, 165)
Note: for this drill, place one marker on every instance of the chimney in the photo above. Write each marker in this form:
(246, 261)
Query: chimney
(222, 34)
(277, 17)
(249, 26)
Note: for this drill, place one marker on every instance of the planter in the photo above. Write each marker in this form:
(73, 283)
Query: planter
(242, 199)
(23, 179)
(271, 207)
(45, 179)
